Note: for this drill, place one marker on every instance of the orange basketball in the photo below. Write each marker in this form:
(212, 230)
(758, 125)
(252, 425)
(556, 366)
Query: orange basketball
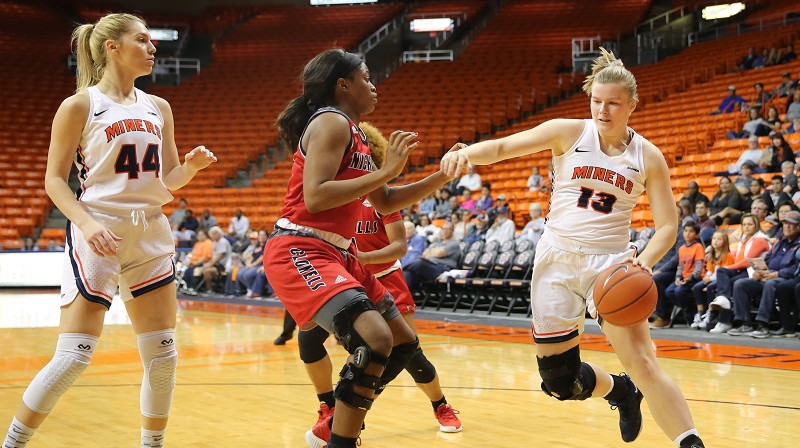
(625, 294)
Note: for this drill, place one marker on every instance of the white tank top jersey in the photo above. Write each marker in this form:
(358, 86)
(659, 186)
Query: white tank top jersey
(594, 194)
(119, 157)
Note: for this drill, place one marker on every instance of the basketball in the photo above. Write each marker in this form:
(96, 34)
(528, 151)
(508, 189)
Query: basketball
(625, 294)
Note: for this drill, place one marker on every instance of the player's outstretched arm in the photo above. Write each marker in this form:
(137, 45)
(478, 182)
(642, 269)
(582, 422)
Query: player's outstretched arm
(176, 174)
(662, 206)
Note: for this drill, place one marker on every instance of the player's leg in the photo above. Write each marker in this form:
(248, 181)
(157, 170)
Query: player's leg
(288, 330)
(665, 400)
(319, 367)
(79, 330)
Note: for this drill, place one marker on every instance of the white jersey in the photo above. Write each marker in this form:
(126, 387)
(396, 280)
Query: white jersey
(594, 194)
(119, 157)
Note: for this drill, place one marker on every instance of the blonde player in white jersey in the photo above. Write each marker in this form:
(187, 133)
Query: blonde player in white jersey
(600, 168)
(122, 143)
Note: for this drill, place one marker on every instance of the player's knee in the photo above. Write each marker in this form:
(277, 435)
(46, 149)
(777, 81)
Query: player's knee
(72, 356)
(379, 338)
(312, 344)
(353, 376)
(420, 368)
(565, 377)
(160, 360)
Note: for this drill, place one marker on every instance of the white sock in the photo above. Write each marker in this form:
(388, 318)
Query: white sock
(18, 435)
(153, 438)
(684, 435)
(610, 388)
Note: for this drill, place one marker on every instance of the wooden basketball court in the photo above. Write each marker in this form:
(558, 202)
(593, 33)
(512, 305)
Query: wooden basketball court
(236, 389)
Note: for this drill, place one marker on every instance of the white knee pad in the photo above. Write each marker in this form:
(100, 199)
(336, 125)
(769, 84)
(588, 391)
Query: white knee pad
(72, 356)
(159, 358)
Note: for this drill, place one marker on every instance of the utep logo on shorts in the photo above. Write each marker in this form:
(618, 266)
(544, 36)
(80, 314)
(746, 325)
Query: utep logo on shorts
(306, 270)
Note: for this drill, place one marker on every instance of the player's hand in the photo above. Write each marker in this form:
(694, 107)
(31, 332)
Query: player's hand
(454, 161)
(401, 143)
(637, 262)
(454, 148)
(101, 240)
(200, 158)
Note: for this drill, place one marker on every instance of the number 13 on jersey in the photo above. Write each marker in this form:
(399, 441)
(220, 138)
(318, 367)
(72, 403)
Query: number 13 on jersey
(604, 202)
(128, 164)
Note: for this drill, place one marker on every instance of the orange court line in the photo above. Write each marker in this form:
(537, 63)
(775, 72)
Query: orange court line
(687, 350)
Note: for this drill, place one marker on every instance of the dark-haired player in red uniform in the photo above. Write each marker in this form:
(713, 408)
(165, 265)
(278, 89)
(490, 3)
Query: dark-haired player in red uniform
(310, 259)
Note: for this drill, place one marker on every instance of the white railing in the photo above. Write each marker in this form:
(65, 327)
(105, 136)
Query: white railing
(745, 26)
(584, 49)
(427, 55)
(375, 38)
(661, 20)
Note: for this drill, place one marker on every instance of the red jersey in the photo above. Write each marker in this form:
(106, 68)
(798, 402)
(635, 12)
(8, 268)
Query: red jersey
(370, 231)
(356, 162)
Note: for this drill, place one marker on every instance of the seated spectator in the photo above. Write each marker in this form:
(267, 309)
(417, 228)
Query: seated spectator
(503, 228)
(221, 248)
(776, 153)
(789, 177)
(775, 233)
(439, 257)
(470, 180)
(760, 97)
(786, 87)
(207, 220)
(788, 55)
(187, 230)
(761, 59)
(748, 60)
(502, 201)
(781, 266)
(730, 103)
(754, 244)
(426, 229)
(444, 206)
(251, 275)
(664, 270)
(176, 217)
(693, 193)
(777, 190)
(535, 180)
(793, 129)
(238, 228)
(29, 245)
(428, 204)
(718, 256)
(759, 191)
(756, 125)
(688, 272)
(745, 178)
(410, 215)
(788, 296)
(53, 245)
(416, 245)
(702, 219)
(535, 227)
(752, 154)
(201, 254)
(464, 227)
(685, 211)
(773, 120)
(772, 57)
(793, 109)
(726, 204)
(485, 202)
(759, 209)
(467, 203)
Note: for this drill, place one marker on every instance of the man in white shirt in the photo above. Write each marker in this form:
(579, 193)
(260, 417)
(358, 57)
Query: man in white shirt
(751, 154)
(503, 228)
(535, 227)
(238, 227)
(471, 180)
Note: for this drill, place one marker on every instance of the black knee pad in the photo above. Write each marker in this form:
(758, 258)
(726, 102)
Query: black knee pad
(311, 343)
(352, 374)
(398, 360)
(420, 368)
(343, 323)
(565, 377)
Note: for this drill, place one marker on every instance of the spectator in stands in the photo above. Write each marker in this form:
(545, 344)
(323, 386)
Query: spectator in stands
(221, 252)
(761, 97)
(502, 229)
(777, 190)
(427, 206)
(52, 245)
(748, 60)
(788, 55)
(439, 257)
(759, 209)
(789, 177)
(464, 226)
(786, 87)
(29, 245)
(416, 245)
(761, 59)
(730, 103)
(781, 266)
(470, 179)
(176, 217)
(775, 233)
(202, 251)
(466, 202)
(754, 244)
(502, 201)
(693, 193)
(752, 154)
(685, 211)
(758, 190)
(187, 230)
(485, 201)
(718, 256)
(776, 153)
(481, 227)
(688, 272)
(207, 220)
(745, 177)
(443, 205)
(252, 276)
(237, 229)
(704, 221)
(793, 109)
(773, 120)
(726, 204)
(794, 128)
(410, 215)
(427, 229)
(788, 296)
(756, 125)
(535, 180)
(772, 58)
(535, 227)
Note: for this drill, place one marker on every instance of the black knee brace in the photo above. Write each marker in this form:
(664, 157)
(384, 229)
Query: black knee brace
(352, 374)
(420, 368)
(311, 343)
(343, 323)
(398, 360)
(565, 377)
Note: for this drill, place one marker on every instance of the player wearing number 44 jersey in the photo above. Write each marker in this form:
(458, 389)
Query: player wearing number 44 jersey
(600, 168)
(122, 142)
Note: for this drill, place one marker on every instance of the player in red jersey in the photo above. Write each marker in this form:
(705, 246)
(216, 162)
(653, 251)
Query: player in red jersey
(381, 242)
(310, 259)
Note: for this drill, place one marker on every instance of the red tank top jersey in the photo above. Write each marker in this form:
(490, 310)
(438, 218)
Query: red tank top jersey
(370, 232)
(356, 162)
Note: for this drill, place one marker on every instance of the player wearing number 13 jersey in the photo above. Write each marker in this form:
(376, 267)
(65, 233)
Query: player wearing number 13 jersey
(600, 166)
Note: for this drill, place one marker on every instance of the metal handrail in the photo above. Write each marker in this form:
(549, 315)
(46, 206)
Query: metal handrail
(427, 55)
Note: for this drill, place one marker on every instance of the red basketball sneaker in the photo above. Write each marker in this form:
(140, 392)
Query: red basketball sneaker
(318, 436)
(446, 416)
(324, 412)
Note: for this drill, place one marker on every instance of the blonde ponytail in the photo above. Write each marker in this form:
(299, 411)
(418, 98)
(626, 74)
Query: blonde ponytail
(607, 69)
(89, 43)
